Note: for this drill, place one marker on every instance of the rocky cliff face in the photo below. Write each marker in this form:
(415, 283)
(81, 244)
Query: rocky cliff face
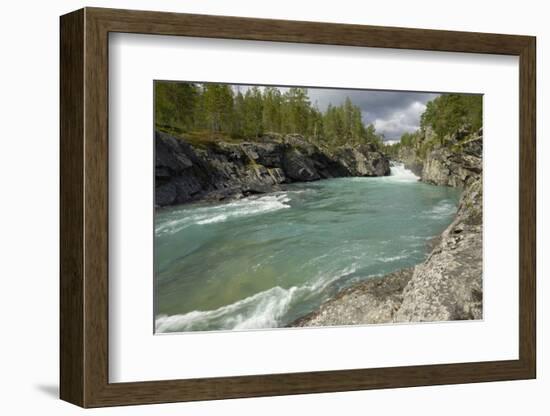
(219, 170)
(445, 166)
(410, 160)
(448, 284)
(452, 165)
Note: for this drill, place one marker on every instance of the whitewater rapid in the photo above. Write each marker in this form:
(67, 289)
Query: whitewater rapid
(219, 213)
(262, 310)
(399, 173)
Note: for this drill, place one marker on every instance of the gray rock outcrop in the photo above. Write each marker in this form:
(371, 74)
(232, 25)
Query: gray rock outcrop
(373, 301)
(362, 161)
(445, 167)
(452, 165)
(219, 170)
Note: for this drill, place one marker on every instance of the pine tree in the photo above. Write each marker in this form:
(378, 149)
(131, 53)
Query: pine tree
(174, 104)
(271, 116)
(315, 126)
(238, 115)
(218, 107)
(449, 112)
(253, 113)
(297, 108)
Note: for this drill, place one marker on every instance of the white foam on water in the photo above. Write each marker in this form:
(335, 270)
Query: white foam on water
(214, 219)
(301, 191)
(393, 258)
(220, 213)
(416, 237)
(267, 311)
(398, 173)
(260, 311)
(442, 209)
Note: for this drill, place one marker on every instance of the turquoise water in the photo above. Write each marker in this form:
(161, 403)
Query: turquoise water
(263, 261)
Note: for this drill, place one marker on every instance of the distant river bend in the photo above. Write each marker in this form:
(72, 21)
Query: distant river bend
(264, 261)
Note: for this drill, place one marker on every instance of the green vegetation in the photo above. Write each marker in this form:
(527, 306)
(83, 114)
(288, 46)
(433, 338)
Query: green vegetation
(449, 112)
(440, 124)
(206, 112)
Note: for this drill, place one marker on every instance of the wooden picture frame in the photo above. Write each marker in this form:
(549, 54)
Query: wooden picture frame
(84, 207)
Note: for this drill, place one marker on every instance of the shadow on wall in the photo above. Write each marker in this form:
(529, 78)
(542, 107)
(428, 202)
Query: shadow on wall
(51, 390)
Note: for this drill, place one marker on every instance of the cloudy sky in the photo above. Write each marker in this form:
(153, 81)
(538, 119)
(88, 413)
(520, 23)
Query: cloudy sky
(392, 112)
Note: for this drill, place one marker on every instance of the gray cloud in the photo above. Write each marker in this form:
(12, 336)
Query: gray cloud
(392, 112)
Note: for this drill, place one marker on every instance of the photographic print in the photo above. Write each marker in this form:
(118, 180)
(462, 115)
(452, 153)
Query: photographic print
(287, 206)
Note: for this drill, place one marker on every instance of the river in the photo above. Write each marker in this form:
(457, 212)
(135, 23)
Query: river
(264, 261)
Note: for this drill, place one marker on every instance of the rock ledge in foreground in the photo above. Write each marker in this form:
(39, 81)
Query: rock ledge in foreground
(373, 301)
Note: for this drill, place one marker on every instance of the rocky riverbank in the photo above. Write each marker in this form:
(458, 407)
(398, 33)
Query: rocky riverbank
(452, 165)
(448, 284)
(372, 301)
(217, 170)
